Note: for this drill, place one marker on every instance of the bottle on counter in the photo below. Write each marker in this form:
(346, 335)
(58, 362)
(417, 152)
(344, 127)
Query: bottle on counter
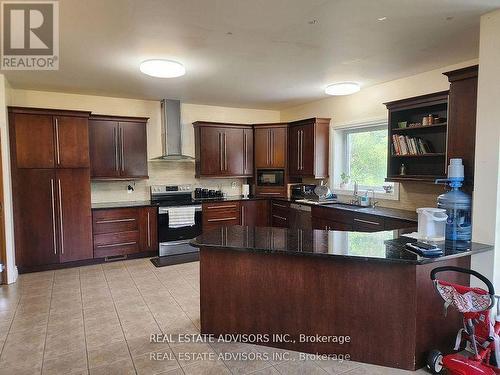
(458, 206)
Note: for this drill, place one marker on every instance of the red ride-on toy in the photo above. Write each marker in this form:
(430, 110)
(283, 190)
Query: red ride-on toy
(479, 334)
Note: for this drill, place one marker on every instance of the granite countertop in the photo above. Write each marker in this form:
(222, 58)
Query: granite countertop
(385, 246)
(125, 204)
(378, 211)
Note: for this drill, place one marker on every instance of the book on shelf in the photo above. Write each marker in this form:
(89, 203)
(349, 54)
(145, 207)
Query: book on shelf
(404, 145)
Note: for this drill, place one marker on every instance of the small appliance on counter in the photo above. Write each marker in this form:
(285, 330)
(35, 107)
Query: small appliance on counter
(245, 190)
(302, 191)
(320, 194)
(201, 193)
(431, 224)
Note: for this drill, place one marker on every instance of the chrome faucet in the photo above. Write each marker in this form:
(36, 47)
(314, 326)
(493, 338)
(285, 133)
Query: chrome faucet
(355, 197)
(373, 202)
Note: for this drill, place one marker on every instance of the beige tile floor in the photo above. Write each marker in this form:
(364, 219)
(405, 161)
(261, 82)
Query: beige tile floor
(98, 320)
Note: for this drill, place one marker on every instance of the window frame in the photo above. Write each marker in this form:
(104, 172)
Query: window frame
(346, 161)
(339, 157)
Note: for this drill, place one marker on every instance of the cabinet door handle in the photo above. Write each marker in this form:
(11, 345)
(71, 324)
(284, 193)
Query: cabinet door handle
(222, 219)
(269, 147)
(279, 205)
(280, 217)
(301, 149)
(53, 214)
(118, 244)
(367, 222)
(225, 152)
(298, 150)
(61, 220)
(264, 193)
(121, 150)
(222, 206)
(58, 149)
(115, 137)
(242, 215)
(244, 151)
(221, 157)
(114, 221)
(272, 148)
(149, 231)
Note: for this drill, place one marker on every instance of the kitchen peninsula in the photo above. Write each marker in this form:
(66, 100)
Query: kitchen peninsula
(330, 283)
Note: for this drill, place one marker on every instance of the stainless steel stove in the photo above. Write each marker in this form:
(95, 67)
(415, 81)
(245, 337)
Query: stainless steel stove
(174, 240)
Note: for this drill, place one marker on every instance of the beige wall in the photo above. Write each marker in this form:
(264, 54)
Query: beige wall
(486, 180)
(7, 187)
(367, 105)
(160, 172)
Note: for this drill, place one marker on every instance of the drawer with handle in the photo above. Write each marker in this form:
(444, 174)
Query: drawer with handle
(280, 208)
(112, 244)
(220, 214)
(115, 220)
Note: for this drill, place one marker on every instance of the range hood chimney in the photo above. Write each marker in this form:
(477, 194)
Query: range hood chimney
(171, 132)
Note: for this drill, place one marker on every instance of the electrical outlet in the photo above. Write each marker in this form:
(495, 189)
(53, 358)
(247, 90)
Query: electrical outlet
(234, 185)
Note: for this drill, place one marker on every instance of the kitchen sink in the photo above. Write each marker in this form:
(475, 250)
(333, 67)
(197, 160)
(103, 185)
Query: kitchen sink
(347, 206)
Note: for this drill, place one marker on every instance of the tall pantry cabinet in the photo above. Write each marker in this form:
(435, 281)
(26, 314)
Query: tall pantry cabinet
(51, 186)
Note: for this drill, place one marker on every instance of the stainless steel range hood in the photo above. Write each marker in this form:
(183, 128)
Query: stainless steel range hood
(171, 132)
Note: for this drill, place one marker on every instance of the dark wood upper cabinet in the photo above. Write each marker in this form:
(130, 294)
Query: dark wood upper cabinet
(74, 214)
(118, 147)
(462, 108)
(133, 155)
(34, 140)
(270, 145)
(248, 152)
(72, 142)
(308, 148)
(43, 138)
(223, 150)
(104, 148)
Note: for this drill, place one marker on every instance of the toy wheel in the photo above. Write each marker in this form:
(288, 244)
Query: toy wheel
(435, 361)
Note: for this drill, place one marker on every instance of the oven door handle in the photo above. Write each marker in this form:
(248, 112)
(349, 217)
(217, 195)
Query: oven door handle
(167, 243)
(164, 210)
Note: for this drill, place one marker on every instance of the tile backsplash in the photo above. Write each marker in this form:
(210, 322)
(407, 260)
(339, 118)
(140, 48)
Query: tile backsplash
(160, 173)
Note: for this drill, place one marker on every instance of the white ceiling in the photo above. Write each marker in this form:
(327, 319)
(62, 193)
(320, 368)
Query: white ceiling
(273, 57)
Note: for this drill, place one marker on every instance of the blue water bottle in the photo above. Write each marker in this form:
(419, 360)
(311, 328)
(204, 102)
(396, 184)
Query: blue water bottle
(458, 206)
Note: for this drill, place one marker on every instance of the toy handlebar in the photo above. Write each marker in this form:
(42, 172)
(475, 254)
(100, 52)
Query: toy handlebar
(491, 289)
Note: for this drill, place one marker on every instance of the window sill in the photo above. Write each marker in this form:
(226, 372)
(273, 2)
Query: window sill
(379, 194)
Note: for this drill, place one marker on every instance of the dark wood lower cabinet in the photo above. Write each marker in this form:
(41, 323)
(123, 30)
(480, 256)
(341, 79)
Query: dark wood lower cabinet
(119, 232)
(255, 213)
(280, 214)
(52, 216)
(221, 214)
(35, 219)
(75, 223)
(327, 218)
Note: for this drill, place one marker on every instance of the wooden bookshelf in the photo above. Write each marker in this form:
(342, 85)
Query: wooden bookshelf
(425, 167)
(428, 155)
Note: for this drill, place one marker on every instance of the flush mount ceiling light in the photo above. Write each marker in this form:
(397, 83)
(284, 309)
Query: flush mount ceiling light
(162, 68)
(342, 88)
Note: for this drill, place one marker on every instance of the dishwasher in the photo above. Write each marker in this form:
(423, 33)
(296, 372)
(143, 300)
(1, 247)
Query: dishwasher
(300, 216)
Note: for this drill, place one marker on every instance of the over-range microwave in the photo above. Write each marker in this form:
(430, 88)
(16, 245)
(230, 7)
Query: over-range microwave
(271, 177)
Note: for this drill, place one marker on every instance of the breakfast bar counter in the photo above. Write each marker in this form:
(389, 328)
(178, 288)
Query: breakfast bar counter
(303, 283)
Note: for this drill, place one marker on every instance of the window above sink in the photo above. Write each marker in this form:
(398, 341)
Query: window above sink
(360, 155)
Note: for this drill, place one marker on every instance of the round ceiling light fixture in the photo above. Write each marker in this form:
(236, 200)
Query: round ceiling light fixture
(342, 88)
(162, 68)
